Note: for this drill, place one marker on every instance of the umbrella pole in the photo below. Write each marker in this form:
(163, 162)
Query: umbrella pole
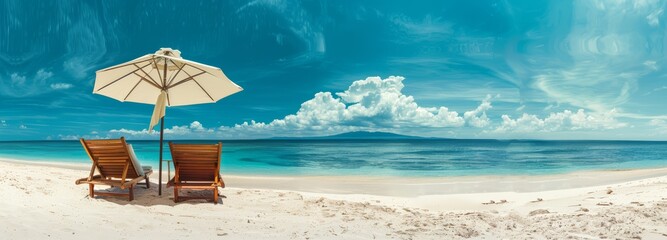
(164, 88)
(160, 170)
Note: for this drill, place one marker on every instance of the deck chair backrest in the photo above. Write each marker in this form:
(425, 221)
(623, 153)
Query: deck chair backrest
(196, 162)
(110, 157)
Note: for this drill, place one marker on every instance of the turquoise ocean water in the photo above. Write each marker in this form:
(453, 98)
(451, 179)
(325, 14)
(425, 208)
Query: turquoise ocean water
(423, 157)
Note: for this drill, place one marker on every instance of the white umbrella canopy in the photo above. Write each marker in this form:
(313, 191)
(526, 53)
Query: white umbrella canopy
(186, 82)
(164, 79)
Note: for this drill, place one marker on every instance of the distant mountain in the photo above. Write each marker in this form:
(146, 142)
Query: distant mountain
(358, 135)
(369, 135)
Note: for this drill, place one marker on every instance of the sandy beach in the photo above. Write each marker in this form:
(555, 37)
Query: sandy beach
(41, 201)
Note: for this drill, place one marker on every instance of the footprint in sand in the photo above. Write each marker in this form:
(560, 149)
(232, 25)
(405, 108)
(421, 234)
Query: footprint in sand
(502, 201)
(538, 212)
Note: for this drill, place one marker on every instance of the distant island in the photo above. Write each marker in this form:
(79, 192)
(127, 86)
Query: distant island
(355, 135)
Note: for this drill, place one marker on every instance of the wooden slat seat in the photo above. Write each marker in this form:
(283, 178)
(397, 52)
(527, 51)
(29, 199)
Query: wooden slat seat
(197, 167)
(111, 158)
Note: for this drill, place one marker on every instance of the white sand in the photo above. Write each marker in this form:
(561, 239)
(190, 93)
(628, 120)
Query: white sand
(41, 202)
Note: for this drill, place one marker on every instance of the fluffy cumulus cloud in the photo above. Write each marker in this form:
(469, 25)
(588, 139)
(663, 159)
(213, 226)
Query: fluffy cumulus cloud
(371, 104)
(375, 104)
(560, 121)
(477, 117)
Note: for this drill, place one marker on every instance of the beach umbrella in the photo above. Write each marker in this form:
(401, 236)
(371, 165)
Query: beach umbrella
(163, 79)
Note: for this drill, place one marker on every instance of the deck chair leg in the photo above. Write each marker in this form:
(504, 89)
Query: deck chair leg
(147, 183)
(131, 195)
(91, 188)
(175, 194)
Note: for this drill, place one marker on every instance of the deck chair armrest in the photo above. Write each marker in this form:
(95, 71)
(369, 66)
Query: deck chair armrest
(171, 183)
(132, 182)
(87, 179)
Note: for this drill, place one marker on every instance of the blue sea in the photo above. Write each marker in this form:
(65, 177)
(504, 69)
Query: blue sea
(414, 158)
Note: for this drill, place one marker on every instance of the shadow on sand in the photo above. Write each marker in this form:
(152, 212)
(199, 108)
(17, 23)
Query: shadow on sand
(150, 197)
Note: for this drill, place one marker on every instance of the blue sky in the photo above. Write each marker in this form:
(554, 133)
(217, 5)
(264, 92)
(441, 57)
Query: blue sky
(461, 69)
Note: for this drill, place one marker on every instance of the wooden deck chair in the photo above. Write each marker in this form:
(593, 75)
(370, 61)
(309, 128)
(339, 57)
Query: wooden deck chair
(197, 166)
(113, 159)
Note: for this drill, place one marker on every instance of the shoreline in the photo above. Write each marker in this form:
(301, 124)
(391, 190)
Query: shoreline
(403, 186)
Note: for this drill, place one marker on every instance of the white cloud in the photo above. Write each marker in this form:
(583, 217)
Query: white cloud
(3, 123)
(375, 104)
(42, 75)
(17, 79)
(380, 102)
(477, 117)
(198, 127)
(23, 126)
(77, 137)
(193, 129)
(560, 121)
(23, 85)
(123, 131)
(60, 86)
(369, 104)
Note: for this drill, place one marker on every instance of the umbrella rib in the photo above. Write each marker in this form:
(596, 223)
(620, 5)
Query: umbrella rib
(193, 66)
(135, 86)
(149, 82)
(124, 65)
(179, 70)
(185, 80)
(202, 88)
(158, 72)
(186, 73)
(114, 81)
(164, 79)
(149, 76)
